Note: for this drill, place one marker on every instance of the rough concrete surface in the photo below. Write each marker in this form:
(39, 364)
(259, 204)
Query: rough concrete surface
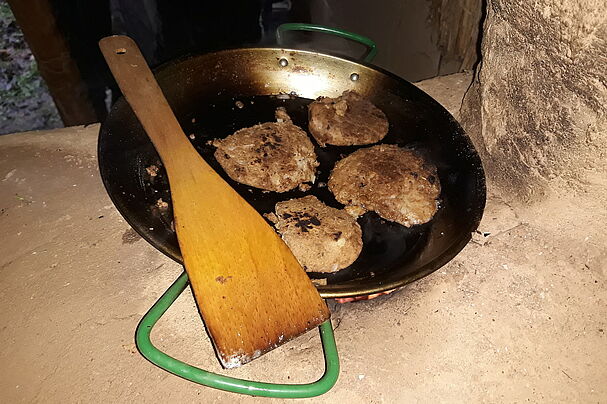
(520, 315)
(538, 109)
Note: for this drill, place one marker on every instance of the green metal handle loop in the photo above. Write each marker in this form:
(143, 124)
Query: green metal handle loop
(196, 375)
(298, 26)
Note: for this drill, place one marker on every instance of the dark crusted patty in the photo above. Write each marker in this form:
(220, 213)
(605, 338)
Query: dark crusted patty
(394, 182)
(346, 120)
(275, 156)
(323, 239)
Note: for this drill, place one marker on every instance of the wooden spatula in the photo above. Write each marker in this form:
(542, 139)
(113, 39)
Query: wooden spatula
(251, 291)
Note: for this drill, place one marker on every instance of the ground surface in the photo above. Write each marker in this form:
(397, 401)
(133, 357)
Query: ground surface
(518, 316)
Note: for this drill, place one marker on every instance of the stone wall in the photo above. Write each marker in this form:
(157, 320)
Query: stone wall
(537, 110)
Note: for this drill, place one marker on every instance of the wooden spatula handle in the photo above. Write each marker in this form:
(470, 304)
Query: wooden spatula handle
(139, 87)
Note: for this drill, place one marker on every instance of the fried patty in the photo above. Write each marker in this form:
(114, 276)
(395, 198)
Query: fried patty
(346, 120)
(323, 239)
(395, 182)
(275, 156)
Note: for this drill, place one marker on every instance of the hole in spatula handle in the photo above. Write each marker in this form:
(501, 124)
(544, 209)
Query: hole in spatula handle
(120, 51)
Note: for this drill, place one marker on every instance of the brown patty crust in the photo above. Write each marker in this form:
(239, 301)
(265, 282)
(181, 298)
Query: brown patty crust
(395, 182)
(346, 120)
(323, 239)
(275, 156)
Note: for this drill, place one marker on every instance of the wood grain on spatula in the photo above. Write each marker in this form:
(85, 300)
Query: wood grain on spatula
(251, 291)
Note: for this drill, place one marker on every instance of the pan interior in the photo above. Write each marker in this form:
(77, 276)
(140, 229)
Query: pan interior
(210, 105)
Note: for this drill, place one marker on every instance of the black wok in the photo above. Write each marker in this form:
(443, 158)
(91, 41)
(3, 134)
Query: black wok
(203, 92)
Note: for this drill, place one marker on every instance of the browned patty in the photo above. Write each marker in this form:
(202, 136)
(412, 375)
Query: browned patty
(323, 239)
(394, 182)
(275, 156)
(346, 120)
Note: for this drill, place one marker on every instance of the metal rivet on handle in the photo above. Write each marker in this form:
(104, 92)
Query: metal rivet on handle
(283, 62)
(354, 76)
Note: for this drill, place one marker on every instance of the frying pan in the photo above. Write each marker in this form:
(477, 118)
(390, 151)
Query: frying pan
(217, 93)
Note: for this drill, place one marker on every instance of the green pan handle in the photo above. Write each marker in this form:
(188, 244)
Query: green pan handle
(196, 375)
(298, 26)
